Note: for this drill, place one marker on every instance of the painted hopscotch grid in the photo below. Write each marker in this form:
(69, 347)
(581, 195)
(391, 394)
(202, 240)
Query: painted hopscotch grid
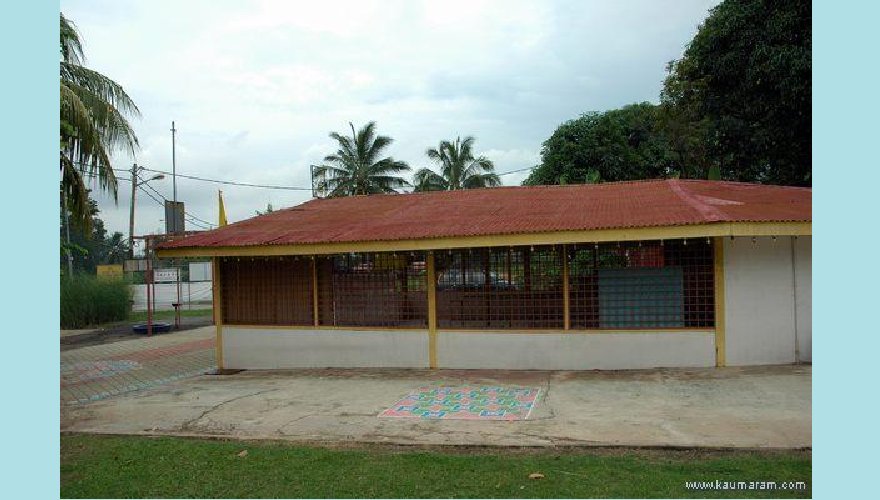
(466, 403)
(97, 372)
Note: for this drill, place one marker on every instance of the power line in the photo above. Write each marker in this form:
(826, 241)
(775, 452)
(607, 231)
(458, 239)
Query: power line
(184, 212)
(192, 218)
(515, 171)
(197, 221)
(231, 183)
(161, 203)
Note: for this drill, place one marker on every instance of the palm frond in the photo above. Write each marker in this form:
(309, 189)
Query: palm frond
(93, 112)
(114, 128)
(75, 192)
(427, 180)
(88, 147)
(104, 88)
(458, 167)
(71, 46)
(355, 168)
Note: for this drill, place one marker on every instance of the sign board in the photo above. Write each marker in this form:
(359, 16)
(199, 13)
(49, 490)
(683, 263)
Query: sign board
(109, 270)
(133, 265)
(174, 217)
(200, 271)
(165, 275)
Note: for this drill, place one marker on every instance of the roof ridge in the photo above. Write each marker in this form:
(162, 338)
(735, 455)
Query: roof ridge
(538, 186)
(710, 213)
(744, 183)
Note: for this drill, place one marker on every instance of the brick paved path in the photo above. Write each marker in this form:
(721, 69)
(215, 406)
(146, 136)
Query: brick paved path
(97, 372)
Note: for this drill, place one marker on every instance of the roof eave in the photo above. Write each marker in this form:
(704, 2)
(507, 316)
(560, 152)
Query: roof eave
(780, 228)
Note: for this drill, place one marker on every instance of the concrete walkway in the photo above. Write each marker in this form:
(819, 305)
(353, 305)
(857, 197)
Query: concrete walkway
(100, 371)
(768, 407)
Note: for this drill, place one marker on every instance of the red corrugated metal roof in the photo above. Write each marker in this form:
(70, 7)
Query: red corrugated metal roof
(510, 210)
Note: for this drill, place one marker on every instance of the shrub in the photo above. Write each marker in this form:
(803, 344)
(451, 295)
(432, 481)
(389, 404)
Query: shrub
(89, 300)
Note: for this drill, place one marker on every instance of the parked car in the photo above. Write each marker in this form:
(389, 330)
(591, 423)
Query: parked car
(454, 279)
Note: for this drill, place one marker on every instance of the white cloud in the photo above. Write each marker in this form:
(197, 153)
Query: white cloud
(255, 86)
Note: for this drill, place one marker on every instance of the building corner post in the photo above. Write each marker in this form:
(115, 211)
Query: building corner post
(316, 317)
(217, 299)
(566, 293)
(720, 347)
(432, 310)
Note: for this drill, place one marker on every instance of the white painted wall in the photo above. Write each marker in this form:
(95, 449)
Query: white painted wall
(195, 295)
(803, 267)
(272, 348)
(575, 351)
(759, 284)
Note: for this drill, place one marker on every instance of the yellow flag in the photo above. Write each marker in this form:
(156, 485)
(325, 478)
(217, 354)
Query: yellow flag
(222, 217)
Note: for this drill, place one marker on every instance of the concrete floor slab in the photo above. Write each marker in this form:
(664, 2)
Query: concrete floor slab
(104, 370)
(761, 407)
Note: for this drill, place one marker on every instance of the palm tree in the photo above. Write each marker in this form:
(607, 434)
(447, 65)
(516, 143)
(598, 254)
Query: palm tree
(115, 249)
(356, 168)
(458, 168)
(93, 125)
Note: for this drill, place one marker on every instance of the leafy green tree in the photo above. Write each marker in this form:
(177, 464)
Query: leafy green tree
(94, 111)
(621, 144)
(92, 246)
(744, 85)
(357, 167)
(89, 243)
(459, 169)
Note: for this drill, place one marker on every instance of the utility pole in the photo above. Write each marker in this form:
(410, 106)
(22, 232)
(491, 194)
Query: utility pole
(176, 229)
(174, 167)
(135, 183)
(131, 211)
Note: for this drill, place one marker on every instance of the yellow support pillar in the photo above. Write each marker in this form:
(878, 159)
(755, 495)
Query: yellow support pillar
(432, 310)
(565, 290)
(217, 297)
(719, 302)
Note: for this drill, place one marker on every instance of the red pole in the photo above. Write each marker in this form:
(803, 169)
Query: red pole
(177, 306)
(149, 280)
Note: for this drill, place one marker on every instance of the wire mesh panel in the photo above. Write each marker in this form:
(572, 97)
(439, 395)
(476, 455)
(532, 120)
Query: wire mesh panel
(642, 284)
(373, 289)
(500, 288)
(266, 291)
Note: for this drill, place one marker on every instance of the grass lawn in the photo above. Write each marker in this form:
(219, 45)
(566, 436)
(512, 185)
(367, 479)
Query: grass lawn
(163, 315)
(110, 466)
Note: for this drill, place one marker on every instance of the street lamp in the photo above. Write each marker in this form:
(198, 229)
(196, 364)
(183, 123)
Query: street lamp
(134, 185)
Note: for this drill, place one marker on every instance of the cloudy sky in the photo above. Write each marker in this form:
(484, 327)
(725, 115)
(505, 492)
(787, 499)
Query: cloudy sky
(255, 86)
